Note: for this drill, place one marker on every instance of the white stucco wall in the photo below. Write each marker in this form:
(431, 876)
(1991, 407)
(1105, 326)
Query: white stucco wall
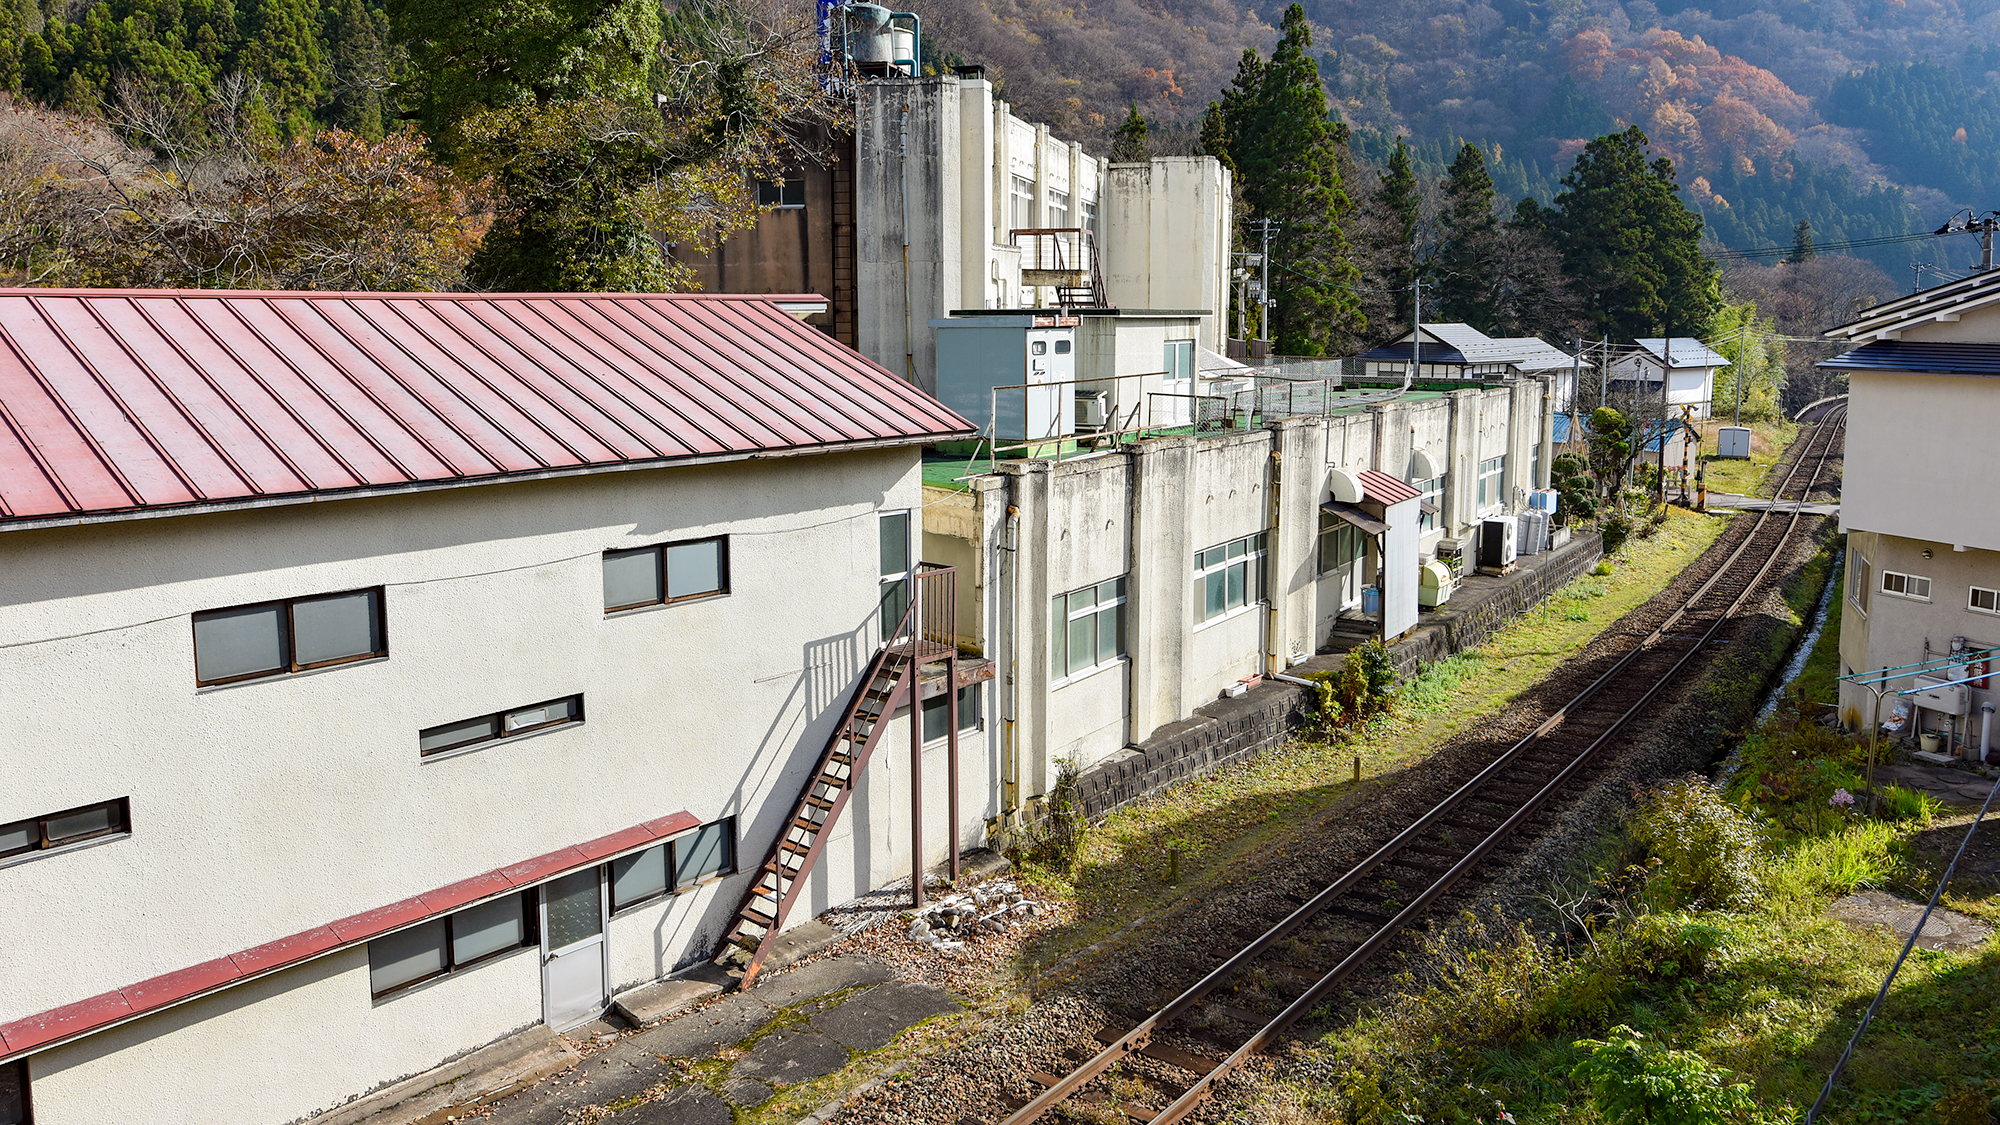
(265, 808)
(1910, 469)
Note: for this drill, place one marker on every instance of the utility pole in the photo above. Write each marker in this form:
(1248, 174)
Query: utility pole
(1416, 328)
(1666, 371)
(1264, 283)
(1575, 388)
(1737, 368)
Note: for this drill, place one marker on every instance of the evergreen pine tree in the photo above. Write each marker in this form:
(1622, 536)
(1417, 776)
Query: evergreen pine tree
(1802, 243)
(1215, 135)
(1631, 245)
(282, 51)
(359, 63)
(1396, 208)
(1466, 264)
(1129, 147)
(1283, 145)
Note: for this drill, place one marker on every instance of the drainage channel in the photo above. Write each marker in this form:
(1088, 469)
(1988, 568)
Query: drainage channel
(1795, 665)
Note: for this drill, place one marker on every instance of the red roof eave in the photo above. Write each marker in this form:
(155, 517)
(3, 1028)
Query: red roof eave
(1385, 489)
(85, 1017)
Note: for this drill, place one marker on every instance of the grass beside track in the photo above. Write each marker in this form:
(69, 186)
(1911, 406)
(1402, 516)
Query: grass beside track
(1745, 478)
(1218, 820)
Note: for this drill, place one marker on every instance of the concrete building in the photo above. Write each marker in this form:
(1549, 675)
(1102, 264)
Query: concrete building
(1116, 591)
(927, 209)
(1922, 583)
(1691, 382)
(394, 673)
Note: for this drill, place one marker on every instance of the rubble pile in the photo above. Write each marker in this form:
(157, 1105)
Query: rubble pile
(993, 908)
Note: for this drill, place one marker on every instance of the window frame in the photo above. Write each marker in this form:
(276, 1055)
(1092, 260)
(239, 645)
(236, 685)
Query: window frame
(289, 642)
(20, 1069)
(1882, 585)
(1495, 470)
(1858, 577)
(1972, 592)
(783, 188)
(1256, 548)
(1330, 524)
(978, 712)
(1019, 200)
(1117, 601)
(500, 731)
(1054, 206)
(666, 580)
(43, 845)
(531, 937)
(1429, 491)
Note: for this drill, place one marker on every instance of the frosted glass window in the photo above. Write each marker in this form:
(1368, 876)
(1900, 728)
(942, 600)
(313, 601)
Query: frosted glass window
(895, 543)
(489, 928)
(287, 636)
(573, 908)
(694, 569)
(84, 822)
(406, 957)
(632, 578)
(707, 852)
(19, 837)
(452, 735)
(233, 643)
(337, 628)
(485, 728)
(638, 877)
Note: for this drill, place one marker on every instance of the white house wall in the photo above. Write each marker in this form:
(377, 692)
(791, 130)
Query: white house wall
(265, 808)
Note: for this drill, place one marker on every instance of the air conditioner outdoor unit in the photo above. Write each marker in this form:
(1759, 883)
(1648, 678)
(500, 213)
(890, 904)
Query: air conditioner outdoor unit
(1090, 409)
(1497, 541)
(1534, 532)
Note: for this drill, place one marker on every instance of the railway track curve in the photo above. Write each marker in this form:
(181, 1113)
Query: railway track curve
(1302, 959)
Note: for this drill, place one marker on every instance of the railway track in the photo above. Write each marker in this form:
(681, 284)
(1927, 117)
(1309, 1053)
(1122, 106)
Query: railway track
(1248, 1001)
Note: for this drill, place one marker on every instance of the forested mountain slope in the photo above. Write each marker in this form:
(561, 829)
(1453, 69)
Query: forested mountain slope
(1870, 118)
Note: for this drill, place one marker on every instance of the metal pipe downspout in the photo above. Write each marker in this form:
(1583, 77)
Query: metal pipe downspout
(1274, 659)
(1010, 734)
(903, 163)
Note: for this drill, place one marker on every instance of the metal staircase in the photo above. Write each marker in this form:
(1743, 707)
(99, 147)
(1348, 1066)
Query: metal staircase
(926, 632)
(1064, 258)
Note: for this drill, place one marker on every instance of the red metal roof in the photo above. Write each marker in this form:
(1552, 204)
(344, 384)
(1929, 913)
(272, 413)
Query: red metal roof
(97, 1012)
(125, 400)
(1385, 489)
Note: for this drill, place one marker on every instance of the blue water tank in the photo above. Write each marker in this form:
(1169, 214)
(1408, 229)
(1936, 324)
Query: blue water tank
(1371, 599)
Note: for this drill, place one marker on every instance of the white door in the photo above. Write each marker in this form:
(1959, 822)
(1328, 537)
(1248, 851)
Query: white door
(573, 970)
(1178, 365)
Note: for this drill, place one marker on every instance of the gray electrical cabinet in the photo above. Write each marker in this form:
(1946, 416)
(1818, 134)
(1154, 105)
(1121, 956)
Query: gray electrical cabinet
(1015, 373)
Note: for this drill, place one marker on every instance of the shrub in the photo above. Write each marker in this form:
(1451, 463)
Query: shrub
(1327, 709)
(1366, 680)
(1058, 839)
(1706, 850)
(1602, 569)
(1634, 1083)
(1616, 530)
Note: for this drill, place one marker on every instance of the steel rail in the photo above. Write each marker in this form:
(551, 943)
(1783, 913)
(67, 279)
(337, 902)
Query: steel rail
(1140, 1035)
(1197, 1093)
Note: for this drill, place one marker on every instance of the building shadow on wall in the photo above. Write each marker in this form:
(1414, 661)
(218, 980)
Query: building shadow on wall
(785, 756)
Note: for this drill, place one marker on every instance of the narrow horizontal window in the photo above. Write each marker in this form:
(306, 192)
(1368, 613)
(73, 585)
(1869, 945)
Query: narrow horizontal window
(781, 193)
(273, 638)
(446, 945)
(71, 826)
(1906, 585)
(1984, 600)
(505, 724)
(669, 572)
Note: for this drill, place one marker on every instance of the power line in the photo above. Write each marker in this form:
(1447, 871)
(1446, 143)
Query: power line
(1731, 255)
